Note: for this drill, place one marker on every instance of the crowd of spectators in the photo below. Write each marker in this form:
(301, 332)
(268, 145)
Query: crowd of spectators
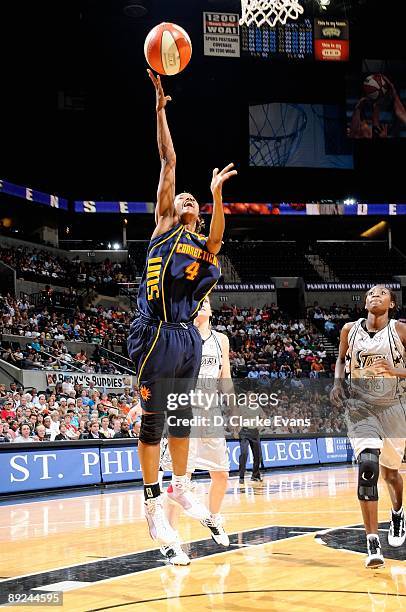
(44, 266)
(49, 329)
(266, 349)
(67, 413)
(330, 320)
(265, 345)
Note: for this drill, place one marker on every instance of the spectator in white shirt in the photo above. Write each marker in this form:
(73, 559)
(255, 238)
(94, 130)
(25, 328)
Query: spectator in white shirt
(53, 424)
(25, 434)
(105, 429)
(67, 387)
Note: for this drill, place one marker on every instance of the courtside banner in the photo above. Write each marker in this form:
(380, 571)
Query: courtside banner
(120, 463)
(99, 381)
(332, 450)
(37, 468)
(277, 453)
(41, 468)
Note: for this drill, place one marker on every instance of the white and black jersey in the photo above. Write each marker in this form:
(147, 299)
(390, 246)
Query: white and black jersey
(212, 357)
(364, 349)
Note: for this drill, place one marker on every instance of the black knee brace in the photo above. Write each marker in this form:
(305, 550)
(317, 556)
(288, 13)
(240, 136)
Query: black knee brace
(368, 474)
(152, 426)
(179, 422)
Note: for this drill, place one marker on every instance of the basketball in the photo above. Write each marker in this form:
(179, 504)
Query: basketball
(168, 49)
(375, 86)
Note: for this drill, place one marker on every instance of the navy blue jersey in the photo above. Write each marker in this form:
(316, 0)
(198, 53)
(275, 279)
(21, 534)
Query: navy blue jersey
(178, 275)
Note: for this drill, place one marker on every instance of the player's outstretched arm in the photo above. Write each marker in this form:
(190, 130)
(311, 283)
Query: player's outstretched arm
(217, 224)
(164, 211)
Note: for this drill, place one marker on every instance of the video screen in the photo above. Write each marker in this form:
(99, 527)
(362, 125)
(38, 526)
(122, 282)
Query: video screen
(291, 135)
(376, 100)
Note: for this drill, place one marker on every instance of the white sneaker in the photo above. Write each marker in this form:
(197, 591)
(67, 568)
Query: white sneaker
(215, 524)
(397, 529)
(159, 527)
(375, 558)
(175, 554)
(187, 500)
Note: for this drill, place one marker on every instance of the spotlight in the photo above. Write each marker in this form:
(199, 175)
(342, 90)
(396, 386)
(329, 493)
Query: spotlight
(349, 201)
(116, 246)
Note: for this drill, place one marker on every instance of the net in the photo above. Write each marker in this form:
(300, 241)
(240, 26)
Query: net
(259, 12)
(276, 131)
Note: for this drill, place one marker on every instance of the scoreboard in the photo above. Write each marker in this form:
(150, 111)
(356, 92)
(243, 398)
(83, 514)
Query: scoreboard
(291, 41)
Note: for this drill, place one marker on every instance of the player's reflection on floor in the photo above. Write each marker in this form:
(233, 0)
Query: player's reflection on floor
(54, 516)
(173, 582)
(217, 585)
(288, 487)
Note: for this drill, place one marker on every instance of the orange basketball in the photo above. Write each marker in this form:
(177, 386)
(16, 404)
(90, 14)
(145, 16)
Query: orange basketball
(168, 49)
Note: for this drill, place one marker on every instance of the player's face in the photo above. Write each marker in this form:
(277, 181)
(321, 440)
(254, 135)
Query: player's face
(378, 300)
(186, 207)
(205, 312)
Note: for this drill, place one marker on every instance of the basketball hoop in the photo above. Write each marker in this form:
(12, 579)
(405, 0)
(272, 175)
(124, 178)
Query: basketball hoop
(276, 131)
(271, 12)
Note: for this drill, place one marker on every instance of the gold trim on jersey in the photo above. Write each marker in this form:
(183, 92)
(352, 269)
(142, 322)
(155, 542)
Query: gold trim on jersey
(154, 266)
(200, 236)
(164, 270)
(149, 352)
(197, 253)
(181, 227)
(203, 298)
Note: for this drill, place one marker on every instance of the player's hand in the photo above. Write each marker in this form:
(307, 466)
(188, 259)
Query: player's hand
(337, 393)
(161, 99)
(220, 177)
(383, 368)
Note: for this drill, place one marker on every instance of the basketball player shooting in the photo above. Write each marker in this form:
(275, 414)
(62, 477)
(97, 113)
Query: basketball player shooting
(181, 269)
(362, 127)
(372, 358)
(208, 451)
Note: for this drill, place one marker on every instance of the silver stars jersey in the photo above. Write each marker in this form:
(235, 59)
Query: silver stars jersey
(364, 349)
(212, 357)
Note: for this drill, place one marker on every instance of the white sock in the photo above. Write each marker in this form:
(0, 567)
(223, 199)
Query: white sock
(180, 482)
(397, 511)
(372, 535)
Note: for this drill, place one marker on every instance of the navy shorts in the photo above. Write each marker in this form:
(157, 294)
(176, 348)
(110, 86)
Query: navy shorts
(167, 359)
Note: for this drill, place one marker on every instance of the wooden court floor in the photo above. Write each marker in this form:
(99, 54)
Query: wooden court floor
(296, 544)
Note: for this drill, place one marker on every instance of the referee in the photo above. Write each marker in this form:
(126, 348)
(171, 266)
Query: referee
(249, 436)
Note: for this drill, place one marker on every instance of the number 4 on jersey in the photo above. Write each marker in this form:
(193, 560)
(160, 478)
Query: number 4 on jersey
(192, 270)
